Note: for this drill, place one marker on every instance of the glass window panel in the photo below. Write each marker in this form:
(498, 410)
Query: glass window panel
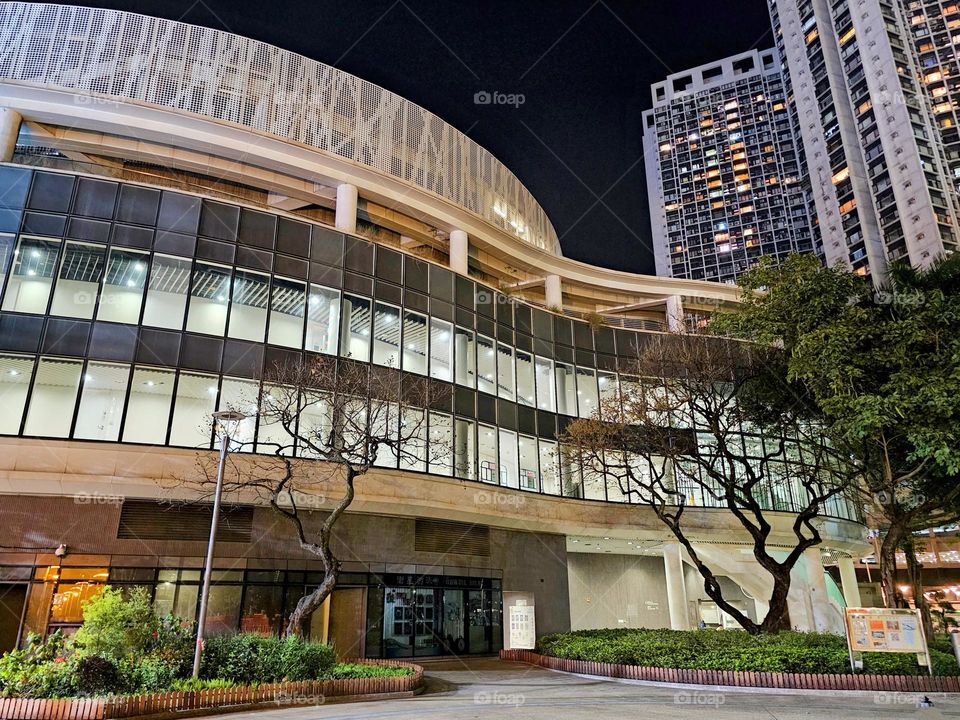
(241, 396)
(486, 365)
(287, 301)
(508, 459)
(355, 328)
(15, 375)
(248, 308)
(7, 242)
(441, 444)
(489, 460)
(549, 467)
(415, 343)
(386, 335)
(594, 484)
(546, 390)
(441, 350)
(262, 610)
(614, 490)
(315, 423)
(566, 390)
(166, 301)
(148, 410)
(529, 472)
(196, 400)
(586, 391)
(104, 390)
(385, 423)
(414, 429)
(607, 383)
(272, 437)
(323, 320)
(79, 280)
(464, 449)
(505, 377)
(465, 357)
(526, 394)
(123, 284)
(53, 398)
(569, 475)
(34, 266)
(223, 610)
(209, 299)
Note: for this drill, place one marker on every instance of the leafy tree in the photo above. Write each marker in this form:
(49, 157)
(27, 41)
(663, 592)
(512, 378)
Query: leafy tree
(882, 369)
(116, 627)
(682, 427)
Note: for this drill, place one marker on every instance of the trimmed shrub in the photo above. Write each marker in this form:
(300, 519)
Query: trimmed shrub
(98, 676)
(359, 670)
(788, 651)
(247, 658)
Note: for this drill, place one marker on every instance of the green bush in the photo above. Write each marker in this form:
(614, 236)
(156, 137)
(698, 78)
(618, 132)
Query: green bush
(40, 669)
(247, 658)
(98, 676)
(787, 651)
(118, 627)
(359, 670)
(191, 684)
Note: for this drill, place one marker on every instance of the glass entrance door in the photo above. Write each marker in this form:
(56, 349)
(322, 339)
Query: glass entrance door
(428, 625)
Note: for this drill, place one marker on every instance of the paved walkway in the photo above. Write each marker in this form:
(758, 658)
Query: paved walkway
(489, 689)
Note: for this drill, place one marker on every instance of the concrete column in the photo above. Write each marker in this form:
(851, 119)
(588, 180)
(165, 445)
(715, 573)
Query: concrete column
(676, 589)
(817, 589)
(553, 290)
(10, 121)
(459, 251)
(346, 211)
(848, 582)
(675, 321)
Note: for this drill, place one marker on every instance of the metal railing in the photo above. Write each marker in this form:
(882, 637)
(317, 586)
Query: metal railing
(97, 52)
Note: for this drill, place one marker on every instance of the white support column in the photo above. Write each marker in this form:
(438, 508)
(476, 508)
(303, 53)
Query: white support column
(459, 251)
(346, 210)
(676, 589)
(675, 321)
(819, 600)
(10, 121)
(554, 291)
(848, 582)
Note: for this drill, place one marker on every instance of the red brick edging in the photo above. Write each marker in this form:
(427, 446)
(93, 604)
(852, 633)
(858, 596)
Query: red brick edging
(736, 678)
(310, 692)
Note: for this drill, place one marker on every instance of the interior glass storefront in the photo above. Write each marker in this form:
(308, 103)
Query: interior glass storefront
(407, 615)
(430, 615)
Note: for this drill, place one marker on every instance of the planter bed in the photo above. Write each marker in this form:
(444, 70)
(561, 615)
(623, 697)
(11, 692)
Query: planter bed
(794, 681)
(209, 701)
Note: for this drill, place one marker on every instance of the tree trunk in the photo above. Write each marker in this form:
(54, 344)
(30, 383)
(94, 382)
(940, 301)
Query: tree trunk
(773, 622)
(915, 575)
(888, 562)
(310, 602)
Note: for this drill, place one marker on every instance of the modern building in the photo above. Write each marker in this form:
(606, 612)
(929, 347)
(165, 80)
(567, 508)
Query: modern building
(936, 33)
(181, 208)
(724, 169)
(877, 165)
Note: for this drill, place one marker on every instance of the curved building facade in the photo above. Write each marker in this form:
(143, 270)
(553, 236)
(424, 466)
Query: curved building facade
(180, 210)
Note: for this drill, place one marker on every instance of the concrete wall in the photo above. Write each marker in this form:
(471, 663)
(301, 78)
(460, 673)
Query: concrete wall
(609, 591)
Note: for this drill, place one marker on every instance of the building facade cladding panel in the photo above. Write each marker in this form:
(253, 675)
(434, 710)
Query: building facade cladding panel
(129, 314)
(724, 175)
(877, 167)
(238, 80)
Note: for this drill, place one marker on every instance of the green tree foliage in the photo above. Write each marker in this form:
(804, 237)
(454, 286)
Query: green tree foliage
(881, 368)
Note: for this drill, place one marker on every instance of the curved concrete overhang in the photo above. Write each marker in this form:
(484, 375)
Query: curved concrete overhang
(184, 141)
(111, 471)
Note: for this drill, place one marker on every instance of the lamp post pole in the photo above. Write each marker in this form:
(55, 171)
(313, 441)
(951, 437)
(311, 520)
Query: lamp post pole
(220, 418)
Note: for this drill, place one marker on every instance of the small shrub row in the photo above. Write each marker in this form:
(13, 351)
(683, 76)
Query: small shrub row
(246, 659)
(791, 652)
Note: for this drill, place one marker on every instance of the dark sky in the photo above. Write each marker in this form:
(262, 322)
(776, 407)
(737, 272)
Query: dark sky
(584, 68)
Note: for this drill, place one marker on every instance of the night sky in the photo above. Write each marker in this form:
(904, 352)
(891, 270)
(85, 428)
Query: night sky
(584, 69)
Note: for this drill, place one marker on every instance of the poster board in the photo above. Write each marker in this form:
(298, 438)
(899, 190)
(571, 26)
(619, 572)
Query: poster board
(523, 629)
(887, 630)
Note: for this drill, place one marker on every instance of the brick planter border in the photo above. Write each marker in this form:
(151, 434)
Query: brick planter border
(215, 700)
(735, 678)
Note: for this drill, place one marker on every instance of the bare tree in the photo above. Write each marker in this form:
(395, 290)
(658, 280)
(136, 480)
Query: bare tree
(323, 424)
(696, 421)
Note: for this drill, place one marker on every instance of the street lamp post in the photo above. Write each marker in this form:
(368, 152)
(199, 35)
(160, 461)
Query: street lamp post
(222, 419)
